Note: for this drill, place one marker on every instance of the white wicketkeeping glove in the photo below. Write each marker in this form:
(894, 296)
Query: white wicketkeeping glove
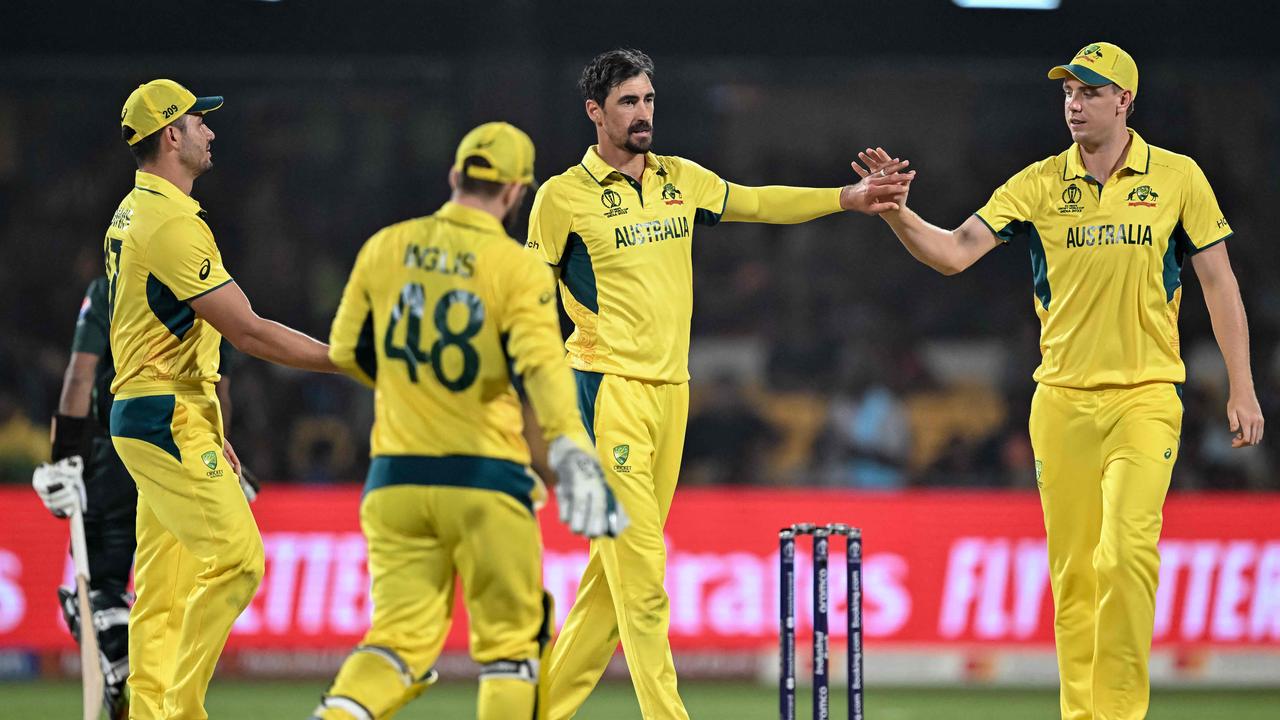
(60, 486)
(586, 503)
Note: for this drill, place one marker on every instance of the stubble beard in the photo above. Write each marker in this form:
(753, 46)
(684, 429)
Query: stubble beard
(198, 164)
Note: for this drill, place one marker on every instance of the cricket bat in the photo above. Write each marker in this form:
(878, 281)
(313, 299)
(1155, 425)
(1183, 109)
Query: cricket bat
(90, 666)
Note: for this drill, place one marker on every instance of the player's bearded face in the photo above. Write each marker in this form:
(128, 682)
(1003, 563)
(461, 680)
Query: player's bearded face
(195, 142)
(628, 114)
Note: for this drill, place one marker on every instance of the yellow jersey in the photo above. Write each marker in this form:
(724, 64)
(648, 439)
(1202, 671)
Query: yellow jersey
(623, 250)
(449, 320)
(161, 255)
(1106, 260)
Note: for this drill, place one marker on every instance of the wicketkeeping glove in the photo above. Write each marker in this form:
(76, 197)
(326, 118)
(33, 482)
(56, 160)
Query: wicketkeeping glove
(60, 486)
(586, 503)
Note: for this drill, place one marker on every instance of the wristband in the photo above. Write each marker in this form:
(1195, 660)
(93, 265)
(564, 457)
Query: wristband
(70, 437)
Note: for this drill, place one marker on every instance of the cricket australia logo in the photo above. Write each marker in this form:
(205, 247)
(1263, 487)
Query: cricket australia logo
(1071, 200)
(620, 454)
(1143, 196)
(1092, 53)
(671, 195)
(210, 460)
(613, 202)
(1039, 472)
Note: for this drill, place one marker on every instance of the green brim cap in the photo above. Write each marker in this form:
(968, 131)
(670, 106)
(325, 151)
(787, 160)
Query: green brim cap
(206, 104)
(1088, 76)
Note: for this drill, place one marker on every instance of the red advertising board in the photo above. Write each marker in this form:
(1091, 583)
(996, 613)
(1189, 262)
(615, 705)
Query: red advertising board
(940, 568)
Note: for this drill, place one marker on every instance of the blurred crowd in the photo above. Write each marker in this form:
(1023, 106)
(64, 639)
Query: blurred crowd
(823, 354)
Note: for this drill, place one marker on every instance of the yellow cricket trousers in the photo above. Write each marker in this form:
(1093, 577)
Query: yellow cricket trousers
(427, 520)
(638, 428)
(1103, 463)
(199, 557)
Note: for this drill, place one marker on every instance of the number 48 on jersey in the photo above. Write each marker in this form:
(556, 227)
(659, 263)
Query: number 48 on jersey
(409, 310)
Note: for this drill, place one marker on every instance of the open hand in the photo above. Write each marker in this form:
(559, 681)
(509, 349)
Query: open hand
(885, 185)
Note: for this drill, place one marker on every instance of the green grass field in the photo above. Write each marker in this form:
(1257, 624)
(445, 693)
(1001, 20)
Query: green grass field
(245, 700)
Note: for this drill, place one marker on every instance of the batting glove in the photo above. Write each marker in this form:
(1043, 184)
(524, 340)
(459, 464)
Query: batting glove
(60, 486)
(586, 503)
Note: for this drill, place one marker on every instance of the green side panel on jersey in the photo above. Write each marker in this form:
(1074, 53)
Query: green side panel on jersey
(466, 471)
(176, 315)
(1175, 250)
(588, 389)
(149, 419)
(702, 216)
(366, 349)
(578, 274)
(1039, 264)
(517, 381)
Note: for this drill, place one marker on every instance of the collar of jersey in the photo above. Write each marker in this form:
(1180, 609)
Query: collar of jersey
(1138, 159)
(157, 185)
(599, 170)
(471, 217)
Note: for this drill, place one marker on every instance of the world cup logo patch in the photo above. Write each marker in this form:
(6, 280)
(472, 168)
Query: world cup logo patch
(1071, 197)
(612, 200)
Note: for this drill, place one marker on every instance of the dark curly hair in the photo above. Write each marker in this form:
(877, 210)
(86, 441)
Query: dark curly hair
(610, 69)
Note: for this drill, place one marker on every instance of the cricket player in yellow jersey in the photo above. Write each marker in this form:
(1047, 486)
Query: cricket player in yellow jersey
(1109, 224)
(199, 555)
(618, 228)
(449, 320)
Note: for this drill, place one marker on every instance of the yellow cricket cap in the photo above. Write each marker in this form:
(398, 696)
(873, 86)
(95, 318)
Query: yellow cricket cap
(1101, 64)
(158, 103)
(508, 150)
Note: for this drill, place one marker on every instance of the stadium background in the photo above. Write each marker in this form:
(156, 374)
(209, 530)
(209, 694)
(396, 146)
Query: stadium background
(828, 365)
